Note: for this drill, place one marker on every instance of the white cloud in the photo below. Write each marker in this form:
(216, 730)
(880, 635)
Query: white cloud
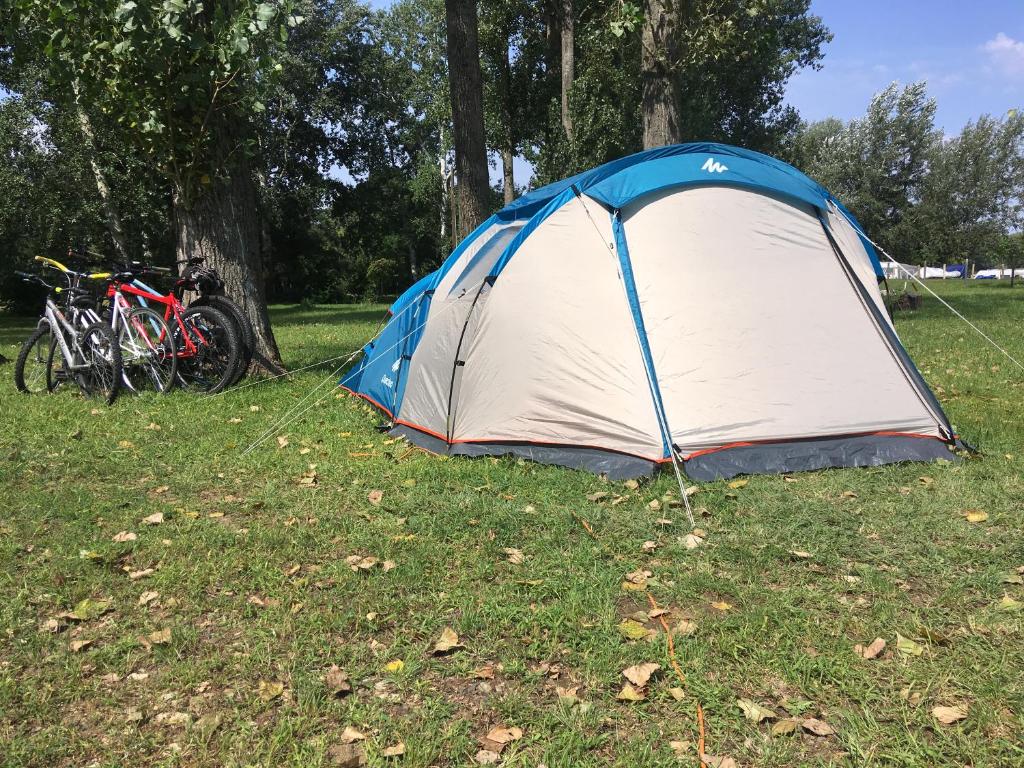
(1006, 53)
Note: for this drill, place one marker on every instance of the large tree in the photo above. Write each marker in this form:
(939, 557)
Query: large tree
(659, 64)
(467, 95)
(185, 79)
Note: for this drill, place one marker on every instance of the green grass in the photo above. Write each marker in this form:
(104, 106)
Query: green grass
(253, 584)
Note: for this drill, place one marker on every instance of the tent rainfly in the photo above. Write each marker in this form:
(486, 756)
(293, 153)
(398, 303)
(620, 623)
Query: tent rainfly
(696, 303)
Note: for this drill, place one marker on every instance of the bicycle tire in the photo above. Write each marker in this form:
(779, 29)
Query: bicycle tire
(30, 355)
(211, 368)
(148, 352)
(102, 353)
(246, 334)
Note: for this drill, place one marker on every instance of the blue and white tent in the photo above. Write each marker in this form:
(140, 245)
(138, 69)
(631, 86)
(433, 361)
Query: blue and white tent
(696, 302)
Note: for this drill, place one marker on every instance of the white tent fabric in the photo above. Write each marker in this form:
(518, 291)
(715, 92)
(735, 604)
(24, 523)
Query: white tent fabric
(698, 304)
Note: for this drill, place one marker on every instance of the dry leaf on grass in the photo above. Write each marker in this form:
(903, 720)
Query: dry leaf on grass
(949, 715)
(633, 630)
(78, 645)
(347, 755)
(447, 643)
(721, 605)
(503, 735)
(640, 674)
(282, 441)
(123, 537)
(908, 647)
(975, 516)
(754, 711)
(160, 636)
(692, 541)
(629, 693)
(785, 727)
(375, 497)
(648, 546)
(513, 555)
(155, 519)
(737, 484)
(396, 665)
(717, 761)
(487, 757)
(871, 651)
(270, 690)
(395, 750)
(800, 554)
(1009, 604)
(817, 727)
(350, 735)
(337, 681)
(148, 597)
(485, 672)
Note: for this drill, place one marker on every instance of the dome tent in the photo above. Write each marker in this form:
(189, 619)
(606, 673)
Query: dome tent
(698, 299)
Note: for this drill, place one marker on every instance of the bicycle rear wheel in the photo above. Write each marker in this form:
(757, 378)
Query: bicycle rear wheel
(102, 356)
(148, 352)
(30, 369)
(246, 335)
(208, 353)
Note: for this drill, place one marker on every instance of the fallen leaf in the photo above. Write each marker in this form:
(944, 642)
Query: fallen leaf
(397, 665)
(639, 674)
(599, 496)
(78, 645)
(89, 609)
(632, 629)
(721, 605)
(123, 537)
(148, 597)
(677, 693)
(487, 757)
(785, 727)
(754, 711)
(654, 505)
(567, 695)
(1013, 578)
(160, 636)
(949, 715)
(925, 480)
(870, 651)
(347, 755)
(514, 555)
(485, 672)
(375, 497)
(684, 628)
(800, 554)
(975, 516)
(692, 541)
(648, 546)
(350, 735)
(282, 441)
(817, 727)
(629, 693)
(395, 750)
(632, 484)
(447, 643)
(715, 761)
(155, 519)
(136, 575)
(681, 748)
(908, 647)
(1009, 604)
(269, 690)
(848, 495)
(503, 735)
(337, 681)
(737, 484)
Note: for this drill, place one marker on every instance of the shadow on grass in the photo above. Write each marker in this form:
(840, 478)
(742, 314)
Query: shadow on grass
(333, 314)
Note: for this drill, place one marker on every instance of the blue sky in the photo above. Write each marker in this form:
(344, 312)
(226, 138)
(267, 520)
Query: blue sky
(970, 53)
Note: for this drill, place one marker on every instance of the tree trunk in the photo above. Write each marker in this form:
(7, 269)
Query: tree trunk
(113, 215)
(223, 224)
(568, 63)
(466, 87)
(508, 150)
(658, 60)
(414, 268)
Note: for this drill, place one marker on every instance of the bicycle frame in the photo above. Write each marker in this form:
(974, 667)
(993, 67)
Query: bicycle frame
(172, 310)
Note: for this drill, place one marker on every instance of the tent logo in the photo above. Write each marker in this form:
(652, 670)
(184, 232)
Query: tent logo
(713, 166)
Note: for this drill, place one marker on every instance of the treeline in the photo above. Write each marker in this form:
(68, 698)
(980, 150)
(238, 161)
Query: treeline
(321, 150)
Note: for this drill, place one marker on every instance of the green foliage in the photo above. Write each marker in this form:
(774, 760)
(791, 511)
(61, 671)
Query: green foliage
(925, 198)
(166, 70)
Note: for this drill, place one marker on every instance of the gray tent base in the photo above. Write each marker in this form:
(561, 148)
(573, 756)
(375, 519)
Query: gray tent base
(758, 459)
(820, 453)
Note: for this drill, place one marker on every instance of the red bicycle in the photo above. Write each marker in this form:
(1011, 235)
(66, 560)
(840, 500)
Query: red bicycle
(207, 347)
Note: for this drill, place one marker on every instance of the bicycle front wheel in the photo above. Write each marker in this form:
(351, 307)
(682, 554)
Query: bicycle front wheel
(30, 369)
(148, 352)
(101, 376)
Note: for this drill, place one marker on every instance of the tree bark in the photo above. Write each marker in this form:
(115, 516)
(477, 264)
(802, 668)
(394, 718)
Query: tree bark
(568, 63)
(659, 55)
(222, 223)
(508, 150)
(466, 87)
(110, 209)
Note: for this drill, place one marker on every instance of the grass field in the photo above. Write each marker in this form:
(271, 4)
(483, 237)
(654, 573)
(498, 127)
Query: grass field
(208, 637)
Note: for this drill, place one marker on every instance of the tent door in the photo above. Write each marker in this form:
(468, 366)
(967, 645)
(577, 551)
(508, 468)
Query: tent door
(469, 330)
